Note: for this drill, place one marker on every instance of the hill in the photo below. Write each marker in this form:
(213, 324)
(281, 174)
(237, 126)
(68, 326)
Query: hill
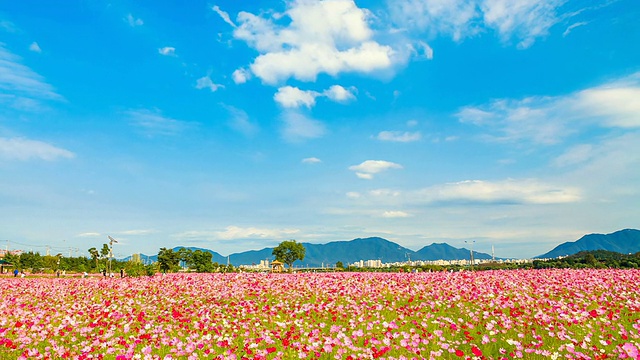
(373, 248)
(624, 241)
(446, 252)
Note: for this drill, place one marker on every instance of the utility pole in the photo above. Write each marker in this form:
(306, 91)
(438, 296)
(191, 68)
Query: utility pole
(471, 251)
(111, 241)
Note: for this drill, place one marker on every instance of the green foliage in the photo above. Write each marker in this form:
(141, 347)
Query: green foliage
(339, 265)
(104, 252)
(95, 255)
(201, 261)
(597, 259)
(168, 260)
(289, 251)
(31, 260)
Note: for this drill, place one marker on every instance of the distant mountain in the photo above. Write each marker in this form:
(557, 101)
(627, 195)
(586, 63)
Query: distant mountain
(447, 252)
(623, 241)
(373, 248)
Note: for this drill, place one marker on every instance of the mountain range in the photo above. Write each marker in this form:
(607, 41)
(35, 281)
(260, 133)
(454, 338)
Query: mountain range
(376, 248)
(373, 248)
(624, 241)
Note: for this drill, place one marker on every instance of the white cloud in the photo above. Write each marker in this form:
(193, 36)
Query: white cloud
(292, 97)
(137, 232)
(353, 195)
(132, 21)
(205, 82)
(399, 136)
(322, 37)
(573, 26)
(224, 15)
(89, 234)
(311, 160)
(339, 93)
(240, 121)
(548, 120)
(35, 47)
(238, 233)
(241, 76)
(522, 21)
(508, 192)
(22, 88)
(25, 149)
(454, 18)
(154, 123)
(505, 192)
(167, 51)
(575, 155)
(367, 169)
(298, 127)
(395, 214)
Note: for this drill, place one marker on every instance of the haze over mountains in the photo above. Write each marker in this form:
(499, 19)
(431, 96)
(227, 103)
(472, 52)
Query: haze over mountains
(376, 248)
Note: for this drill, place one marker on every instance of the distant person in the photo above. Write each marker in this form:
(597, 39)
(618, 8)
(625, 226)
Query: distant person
(121, 273)
(15, 273)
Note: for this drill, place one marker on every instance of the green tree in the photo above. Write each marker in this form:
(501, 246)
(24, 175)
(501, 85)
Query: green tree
(339, 265)
(185, 255)
(201, 261)
(288, 252)
(31, 260)
(168, 260)
(95, 255)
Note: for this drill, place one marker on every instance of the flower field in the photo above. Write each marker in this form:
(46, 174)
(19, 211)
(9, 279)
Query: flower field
(530, 314)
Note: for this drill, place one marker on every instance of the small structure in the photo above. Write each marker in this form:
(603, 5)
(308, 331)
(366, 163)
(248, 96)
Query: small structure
(277, 266)
(5, 266)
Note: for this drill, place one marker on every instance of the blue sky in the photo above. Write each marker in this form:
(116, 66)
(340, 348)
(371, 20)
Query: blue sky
(234, 125)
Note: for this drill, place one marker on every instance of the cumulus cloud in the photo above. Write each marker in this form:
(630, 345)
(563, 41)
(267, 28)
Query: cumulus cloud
(153, 122)
(311, 160)
(329, 37)
(340, 94)
(548, 120)
(399, 136)
(241, 76)
(292, 97)
(205, 82)
(25, 149)
(368, 168)
(167, 51)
